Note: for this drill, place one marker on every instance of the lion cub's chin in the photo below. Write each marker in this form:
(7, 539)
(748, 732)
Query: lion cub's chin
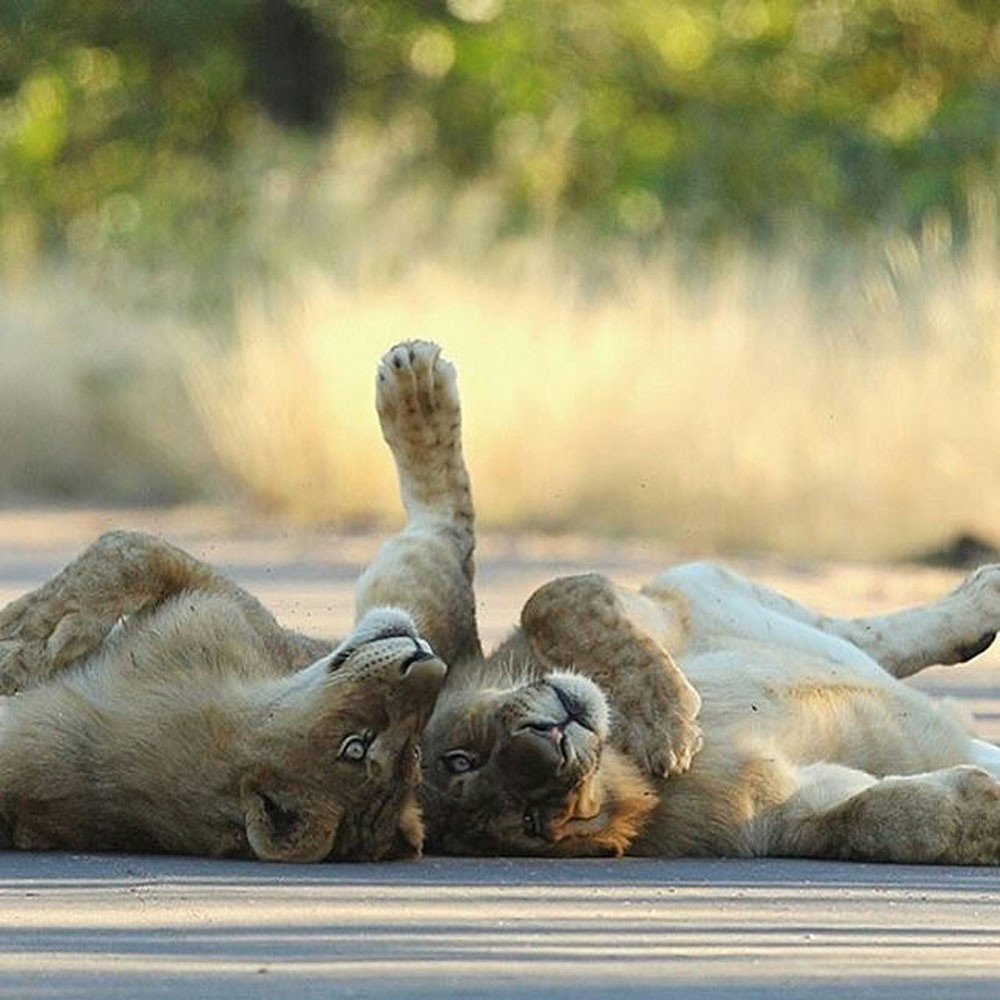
(607, 812)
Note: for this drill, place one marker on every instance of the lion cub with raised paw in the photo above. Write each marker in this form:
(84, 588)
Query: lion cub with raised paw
(159, 707)
(702, 715)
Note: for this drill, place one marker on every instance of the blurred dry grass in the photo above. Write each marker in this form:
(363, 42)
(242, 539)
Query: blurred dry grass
(748, 409)
(91, 404)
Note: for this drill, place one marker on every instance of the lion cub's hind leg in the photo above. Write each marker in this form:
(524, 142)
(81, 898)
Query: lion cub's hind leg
(951, 816)
(427, 568)
(954, 629)
(985, 755)
(587, 624)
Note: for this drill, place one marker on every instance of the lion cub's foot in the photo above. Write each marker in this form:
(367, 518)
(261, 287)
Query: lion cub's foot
(942, 817)
(656, 724)
(21, 666)
(581, 623)
(665, 742)
(954, 629)
(65, 619)
(420, 413)
(980, 591)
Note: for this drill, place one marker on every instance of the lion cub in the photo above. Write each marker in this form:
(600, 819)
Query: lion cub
(701, 715)
(163, 709)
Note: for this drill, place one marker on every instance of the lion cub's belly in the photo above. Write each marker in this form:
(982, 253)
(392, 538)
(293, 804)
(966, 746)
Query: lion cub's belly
(765, 718)
(807, 710)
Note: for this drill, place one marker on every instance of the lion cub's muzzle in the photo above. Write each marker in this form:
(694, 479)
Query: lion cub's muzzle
(557, 748)
(421, 677)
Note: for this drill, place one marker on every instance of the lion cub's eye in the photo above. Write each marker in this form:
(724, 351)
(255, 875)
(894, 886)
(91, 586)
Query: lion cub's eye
(355, 747)
(531, 823)
(459, 762)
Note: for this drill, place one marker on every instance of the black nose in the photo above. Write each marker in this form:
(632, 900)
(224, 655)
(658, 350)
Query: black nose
(415, 657)
(576, 710)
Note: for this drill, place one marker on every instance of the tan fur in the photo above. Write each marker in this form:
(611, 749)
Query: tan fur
(418, 406)
(703, 715)
(159, 707)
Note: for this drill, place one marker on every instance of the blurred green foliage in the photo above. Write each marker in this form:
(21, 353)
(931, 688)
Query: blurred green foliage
(143, 126)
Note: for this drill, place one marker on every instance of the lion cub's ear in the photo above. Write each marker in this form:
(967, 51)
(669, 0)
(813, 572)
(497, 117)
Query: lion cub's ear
(286, 823)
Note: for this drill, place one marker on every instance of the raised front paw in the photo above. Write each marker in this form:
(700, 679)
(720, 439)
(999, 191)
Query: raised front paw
(417, 398)
(420, 413)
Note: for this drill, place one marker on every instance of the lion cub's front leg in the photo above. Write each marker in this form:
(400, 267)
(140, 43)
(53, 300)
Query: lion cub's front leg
(427, 568)
(587, 624)
(121, 573)
(70, 615)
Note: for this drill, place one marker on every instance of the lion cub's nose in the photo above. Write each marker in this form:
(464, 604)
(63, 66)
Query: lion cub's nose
(422, 675)
(417, 656)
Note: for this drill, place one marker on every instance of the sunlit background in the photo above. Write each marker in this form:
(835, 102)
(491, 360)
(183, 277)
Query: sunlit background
(726, 274)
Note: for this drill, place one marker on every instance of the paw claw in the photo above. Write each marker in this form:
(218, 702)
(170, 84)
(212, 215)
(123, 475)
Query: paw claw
(664, 746)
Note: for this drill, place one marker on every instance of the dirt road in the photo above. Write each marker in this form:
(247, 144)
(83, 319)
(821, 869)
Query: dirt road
(114, 926)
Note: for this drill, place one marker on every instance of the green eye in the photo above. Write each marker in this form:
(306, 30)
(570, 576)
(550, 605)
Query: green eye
(459, 761)
(354, 748)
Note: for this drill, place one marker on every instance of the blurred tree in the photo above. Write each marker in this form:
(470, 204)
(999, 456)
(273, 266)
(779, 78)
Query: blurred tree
(739, 114)
(122, 122)
(295, 71)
